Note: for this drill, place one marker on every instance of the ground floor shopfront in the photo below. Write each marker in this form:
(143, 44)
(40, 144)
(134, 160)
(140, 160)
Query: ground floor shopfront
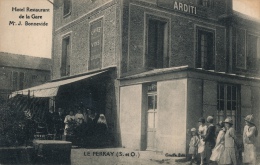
(95, 91)
(159, 107)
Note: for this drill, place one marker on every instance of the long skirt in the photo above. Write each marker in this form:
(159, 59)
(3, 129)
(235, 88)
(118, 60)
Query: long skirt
(228, 156)
(216, 152)
(249, 153)
(193, 150)
(201, 146)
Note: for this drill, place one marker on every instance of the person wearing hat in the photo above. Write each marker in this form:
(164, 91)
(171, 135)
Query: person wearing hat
(229, 154)
(219, 147)
(193, 146)
(202, 132)
(249, 140)
(209, 138)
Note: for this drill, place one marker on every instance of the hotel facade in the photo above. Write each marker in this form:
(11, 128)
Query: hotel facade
(154, 67)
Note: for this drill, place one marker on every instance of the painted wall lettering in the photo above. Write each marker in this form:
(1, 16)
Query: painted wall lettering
(178, 6)
(96, 38)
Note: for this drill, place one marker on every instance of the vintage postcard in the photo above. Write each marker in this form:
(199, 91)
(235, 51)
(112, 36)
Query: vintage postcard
(129, 82)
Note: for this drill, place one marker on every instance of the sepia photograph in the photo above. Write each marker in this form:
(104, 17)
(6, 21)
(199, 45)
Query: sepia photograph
(130, 82)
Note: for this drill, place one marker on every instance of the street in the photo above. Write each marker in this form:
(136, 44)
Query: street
(118, 156)
(122, 156)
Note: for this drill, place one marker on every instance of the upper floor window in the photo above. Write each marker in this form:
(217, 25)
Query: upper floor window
(65, 59)
(18, 80)
(21, 80)
(66, 7)
(205, 55)
(15, 81)
(253, 57)
(157, 45)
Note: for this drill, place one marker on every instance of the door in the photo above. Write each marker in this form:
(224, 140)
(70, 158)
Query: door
(151, 121)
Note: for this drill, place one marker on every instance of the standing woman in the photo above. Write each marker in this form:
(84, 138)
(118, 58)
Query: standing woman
(219, 147)
(229, 154)
(249, 140)
(69, 118)
(202, 132)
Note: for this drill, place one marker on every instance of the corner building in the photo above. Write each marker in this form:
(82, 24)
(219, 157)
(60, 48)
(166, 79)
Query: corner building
(156, 66)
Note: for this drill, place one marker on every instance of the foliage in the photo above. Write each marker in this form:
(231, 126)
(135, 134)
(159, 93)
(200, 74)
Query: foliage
(12, 123)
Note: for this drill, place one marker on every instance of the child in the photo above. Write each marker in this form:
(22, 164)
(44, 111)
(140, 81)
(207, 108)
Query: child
(194, 141)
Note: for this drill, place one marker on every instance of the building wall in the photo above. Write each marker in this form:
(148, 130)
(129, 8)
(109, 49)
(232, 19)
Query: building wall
(182, 35)
(194, 105)
(172, 112)
(32, 77)
(130, 116)
(77, 26)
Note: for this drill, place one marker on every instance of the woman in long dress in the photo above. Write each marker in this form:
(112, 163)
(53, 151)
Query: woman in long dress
(219, 147)
(249, 140)
(68, 118)
(229, 154)
(202, 132)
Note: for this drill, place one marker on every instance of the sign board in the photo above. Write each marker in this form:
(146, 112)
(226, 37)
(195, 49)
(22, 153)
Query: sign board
(182, 6)
(95, 44)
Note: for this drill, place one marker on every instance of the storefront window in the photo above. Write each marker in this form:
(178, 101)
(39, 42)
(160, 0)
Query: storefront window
(227, 104)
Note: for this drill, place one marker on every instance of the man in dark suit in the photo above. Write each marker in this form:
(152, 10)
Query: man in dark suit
(209, 139)
(59, 123)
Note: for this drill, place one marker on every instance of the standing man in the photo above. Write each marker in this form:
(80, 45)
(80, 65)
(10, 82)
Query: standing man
(209, 139)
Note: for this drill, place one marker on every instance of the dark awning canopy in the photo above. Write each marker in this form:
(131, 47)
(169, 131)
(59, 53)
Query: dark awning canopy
(50, 89)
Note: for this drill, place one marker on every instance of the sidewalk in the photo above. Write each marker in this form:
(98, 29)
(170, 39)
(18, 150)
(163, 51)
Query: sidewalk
(122, 156)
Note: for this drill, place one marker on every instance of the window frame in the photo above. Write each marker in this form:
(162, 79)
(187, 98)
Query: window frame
(256, 58)
(21, 81)
(225, 100)
(167, 42)
(69, 8)
(199, 31)
(15, 83)
(64, 60)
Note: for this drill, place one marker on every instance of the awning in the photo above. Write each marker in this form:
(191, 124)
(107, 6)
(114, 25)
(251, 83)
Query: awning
(50, 89)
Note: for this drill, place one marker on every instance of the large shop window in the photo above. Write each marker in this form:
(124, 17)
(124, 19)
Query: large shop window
(253, 59)
(65, 60)
(228, 104)
(205, 56)
(157, 55)
(66, 7)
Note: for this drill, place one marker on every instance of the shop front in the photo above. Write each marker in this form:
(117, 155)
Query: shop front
(159, 107)
(91, 92)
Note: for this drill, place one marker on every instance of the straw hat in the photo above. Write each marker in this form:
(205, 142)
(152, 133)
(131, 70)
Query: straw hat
(249, 119)
(228, 120)
(210, 119)
(193, 130)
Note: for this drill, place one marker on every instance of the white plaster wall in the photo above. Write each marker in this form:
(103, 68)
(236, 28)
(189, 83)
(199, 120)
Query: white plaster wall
(130, 116)
(172, 112)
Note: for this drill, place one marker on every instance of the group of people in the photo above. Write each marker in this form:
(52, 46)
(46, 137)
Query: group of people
(220, 145)
(83, 123)
(86, 122)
